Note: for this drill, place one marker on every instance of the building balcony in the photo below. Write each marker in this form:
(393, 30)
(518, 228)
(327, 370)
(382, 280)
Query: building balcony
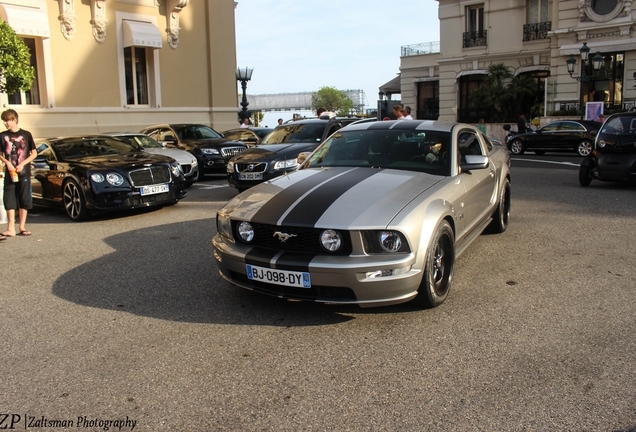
(536, 31)
(475, 39)
(419, 49)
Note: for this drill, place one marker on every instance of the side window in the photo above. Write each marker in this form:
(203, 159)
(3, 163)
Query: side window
(551, 127)
(44, 150)
(468, 144)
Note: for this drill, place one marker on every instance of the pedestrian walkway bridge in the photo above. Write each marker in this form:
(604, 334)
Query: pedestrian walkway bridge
(297, 101)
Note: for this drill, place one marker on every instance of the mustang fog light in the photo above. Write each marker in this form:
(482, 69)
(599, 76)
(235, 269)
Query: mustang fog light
(390, 241)
(331, 240)
(384, 273)
(245, 231)
(115, 179)
(97, 177)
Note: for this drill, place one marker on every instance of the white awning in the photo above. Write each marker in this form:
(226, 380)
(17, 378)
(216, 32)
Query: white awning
(141, 34)
(26, 21)
(393, 86)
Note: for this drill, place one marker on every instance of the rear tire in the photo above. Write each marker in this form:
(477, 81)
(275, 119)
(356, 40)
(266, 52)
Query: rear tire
(517, 147)
(585, 175)
(438, 270)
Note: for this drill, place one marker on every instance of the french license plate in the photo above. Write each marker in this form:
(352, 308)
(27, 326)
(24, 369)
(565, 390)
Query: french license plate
(250, 176)
(279, 277)
(151, 190)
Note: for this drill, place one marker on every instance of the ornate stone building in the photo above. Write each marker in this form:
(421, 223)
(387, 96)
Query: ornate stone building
(120, 65)
(531, 37)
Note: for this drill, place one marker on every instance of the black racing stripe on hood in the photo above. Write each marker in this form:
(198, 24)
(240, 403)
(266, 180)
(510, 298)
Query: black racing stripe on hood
(274, 208)
(310, 209)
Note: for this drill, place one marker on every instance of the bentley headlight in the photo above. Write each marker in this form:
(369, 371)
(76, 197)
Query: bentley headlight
(331, 240)
(284, 164)
(97, 177)
(601, 143)
(245, 231)
(209, 151)
(390, 241)
(230, 167)
(224, 226)
(114, 179)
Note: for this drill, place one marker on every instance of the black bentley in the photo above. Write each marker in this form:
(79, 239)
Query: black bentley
(99, 173)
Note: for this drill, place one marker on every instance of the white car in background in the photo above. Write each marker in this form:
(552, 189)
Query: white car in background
(185, 159)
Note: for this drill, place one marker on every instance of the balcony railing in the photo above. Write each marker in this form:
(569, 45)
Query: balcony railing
(475, 38)
(419, 49)
(536, 31)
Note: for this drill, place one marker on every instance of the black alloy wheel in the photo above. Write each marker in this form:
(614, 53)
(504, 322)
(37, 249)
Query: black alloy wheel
(438, 271)
(501, 216)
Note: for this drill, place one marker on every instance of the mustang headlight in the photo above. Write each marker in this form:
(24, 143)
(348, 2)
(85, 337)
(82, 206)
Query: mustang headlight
(386, 241)
(97, 177)
(224, 226)
(230, 167)
(245, 231)
(209, 151)
(114, 179)
(601, 143)
(288, 163)
(331, 240)
(390, 241)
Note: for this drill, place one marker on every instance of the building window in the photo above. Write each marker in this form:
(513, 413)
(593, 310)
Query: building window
(604, 7)
(428, 100)
(537, 11)
(31, 96)
(466, 112)
(136, 71)
(475, 34)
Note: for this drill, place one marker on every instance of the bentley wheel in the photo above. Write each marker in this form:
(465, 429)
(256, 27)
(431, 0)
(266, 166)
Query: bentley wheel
(438, 270)
(584, 148)
(501, 216)
(585, 175)
(74, 201)
(517, 147)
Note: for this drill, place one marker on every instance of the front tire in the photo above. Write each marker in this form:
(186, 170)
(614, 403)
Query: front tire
(501, 217)
(517, 147)
(74, 201)
(438, 270)
(584, 148)
(585, 175)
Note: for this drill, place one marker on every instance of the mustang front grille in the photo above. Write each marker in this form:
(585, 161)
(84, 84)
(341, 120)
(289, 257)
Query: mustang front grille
(298, 239)
(150, 176)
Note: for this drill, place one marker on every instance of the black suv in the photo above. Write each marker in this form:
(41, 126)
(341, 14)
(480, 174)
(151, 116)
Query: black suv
(614, 155)
(207, 145)
(277, 152)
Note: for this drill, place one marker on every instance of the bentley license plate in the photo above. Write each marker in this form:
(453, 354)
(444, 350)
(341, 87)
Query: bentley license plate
(250, 176)
(279, 277)
(151, 190)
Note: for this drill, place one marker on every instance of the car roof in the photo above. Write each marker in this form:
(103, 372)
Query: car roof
(443, 126)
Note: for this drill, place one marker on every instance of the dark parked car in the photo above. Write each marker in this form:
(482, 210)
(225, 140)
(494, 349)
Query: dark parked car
(99, 173)
(277, 152)
(207, 145)
(560, 135)
(614, 155)
(251, 136)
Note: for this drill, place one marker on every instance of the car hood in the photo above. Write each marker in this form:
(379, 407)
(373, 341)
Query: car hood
(181, 156)
(271, 151)
(339, 198)
(122, 160)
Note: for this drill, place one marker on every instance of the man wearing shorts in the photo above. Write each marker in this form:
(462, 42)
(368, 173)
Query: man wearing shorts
(17, 150)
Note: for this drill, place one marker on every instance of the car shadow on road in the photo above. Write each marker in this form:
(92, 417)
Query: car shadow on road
(168, 272)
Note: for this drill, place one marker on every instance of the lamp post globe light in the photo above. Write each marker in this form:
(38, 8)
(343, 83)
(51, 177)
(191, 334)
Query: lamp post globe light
(244, 75)
(597, 63)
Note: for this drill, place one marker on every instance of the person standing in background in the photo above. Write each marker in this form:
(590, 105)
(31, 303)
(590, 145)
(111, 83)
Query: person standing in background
(482, 126)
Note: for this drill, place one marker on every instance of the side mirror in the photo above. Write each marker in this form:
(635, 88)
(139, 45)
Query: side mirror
(474, 162)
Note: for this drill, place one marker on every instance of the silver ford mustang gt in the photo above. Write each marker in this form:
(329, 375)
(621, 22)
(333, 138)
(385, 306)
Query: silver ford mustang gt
(375, 216)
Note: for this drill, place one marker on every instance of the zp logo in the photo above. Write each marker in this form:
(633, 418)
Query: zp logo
(8, 421)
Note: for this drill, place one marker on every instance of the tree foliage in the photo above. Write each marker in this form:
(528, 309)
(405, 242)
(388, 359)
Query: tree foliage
(16, 72)
(333, 100)
(502, 95)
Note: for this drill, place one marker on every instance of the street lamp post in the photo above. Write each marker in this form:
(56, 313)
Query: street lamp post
(597, 63)
(244, 75)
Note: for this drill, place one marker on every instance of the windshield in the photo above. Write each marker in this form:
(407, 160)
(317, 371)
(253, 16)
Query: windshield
(196, 132)
(308, 132)
(620, 124)
(80, 147)
(425, 151)
(140, 140)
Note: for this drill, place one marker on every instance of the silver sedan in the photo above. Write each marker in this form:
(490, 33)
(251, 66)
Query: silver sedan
(375, 216)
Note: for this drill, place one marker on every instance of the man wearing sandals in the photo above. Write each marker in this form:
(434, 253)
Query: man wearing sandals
(17, 150)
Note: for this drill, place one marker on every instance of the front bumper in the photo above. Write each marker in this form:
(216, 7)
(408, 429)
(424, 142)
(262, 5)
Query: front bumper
(132, 199)
(616, 166)
(334, 279)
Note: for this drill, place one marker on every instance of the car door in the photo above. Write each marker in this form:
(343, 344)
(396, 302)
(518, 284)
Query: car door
(480, 184)
(47, 175)
(570, 133)
(547, 137)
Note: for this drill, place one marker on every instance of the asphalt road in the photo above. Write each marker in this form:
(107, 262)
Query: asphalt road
(124, 317)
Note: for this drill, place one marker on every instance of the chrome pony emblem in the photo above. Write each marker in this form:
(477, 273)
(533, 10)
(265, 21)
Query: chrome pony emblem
(283, 237)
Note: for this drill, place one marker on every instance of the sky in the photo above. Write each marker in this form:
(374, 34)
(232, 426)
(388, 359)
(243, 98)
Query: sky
(302, 45)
